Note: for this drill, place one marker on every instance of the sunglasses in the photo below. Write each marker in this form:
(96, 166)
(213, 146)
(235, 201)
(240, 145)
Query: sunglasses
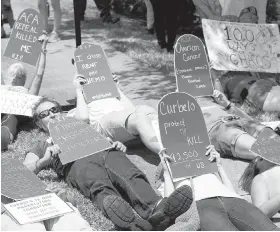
(46, 113)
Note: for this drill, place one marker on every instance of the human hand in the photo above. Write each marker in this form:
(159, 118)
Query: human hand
(51, 153)
(213, 155)
(164, 159)
(44, 40)
(79, 81)
(221, 98)
(117, 145)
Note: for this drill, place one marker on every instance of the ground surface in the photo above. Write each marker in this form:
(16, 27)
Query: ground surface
(146, 76)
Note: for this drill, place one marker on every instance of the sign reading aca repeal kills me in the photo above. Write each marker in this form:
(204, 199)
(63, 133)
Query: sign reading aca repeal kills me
(37, 209)
(23, 44)
(242, 46)
(184, 135)
(191, 67)
(17, 103)
(268, 146)
(92, 63)
(76, 139)
(18, 182)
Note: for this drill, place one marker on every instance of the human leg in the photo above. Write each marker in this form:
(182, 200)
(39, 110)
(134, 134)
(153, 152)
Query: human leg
(105, 7)
(213, 216)
(57, 20)
(159, 24)
(150, 15)
(134, 186)
(43, 9)
(272, 101)
(9, 130)
(246, 216)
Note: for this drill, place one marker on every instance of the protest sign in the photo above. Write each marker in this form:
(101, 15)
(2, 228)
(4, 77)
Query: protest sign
(76, 139)
(242, 46)
(268, 146)
(91, 62)
(37, 209)
(18, 182)
(23, 44)
(191, 67)
(184, 135)
(17, 103)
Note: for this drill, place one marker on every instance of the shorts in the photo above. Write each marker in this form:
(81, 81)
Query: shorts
(227, 130)
(114, 124)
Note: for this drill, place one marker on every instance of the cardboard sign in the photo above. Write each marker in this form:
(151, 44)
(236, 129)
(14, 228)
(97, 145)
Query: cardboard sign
(18, 182)
(37, 209)
(92, 63)
(191, 67)
(268, 146)
(242, 46)
(23, 44)
(17, 103)
(184, 135)
(76, 139)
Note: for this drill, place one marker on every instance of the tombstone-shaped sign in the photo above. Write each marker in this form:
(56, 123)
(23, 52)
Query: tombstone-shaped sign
(76, 139)
(191, 67)
(268, 146)
(23, 44)
(184, 135)
(18, 182)
(92, 63)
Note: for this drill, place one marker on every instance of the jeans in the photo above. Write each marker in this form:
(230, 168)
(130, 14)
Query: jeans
(232, 214)
(165, 14)
(104, 7)
(112, 173)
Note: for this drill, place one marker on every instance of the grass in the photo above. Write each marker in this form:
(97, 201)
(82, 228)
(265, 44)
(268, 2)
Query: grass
(131, 39)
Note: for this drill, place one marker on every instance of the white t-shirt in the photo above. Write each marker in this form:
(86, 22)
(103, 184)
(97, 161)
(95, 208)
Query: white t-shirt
(234, 7)
(205, 186)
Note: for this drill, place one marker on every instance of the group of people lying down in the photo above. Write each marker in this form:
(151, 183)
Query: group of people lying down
(119, 189)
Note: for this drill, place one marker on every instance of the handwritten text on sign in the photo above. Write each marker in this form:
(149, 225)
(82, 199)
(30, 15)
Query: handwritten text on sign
(92, 63)
(17, 103)
(243, 47)
(76, 139)
(23, 44)
(184, 135)
(191, 67)
(38, 208)
(18, 182)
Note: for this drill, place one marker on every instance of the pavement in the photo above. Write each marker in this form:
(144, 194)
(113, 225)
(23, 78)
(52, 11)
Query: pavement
(141, 83)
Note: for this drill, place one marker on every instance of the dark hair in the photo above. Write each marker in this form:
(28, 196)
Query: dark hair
(250, 172)
(41, 101)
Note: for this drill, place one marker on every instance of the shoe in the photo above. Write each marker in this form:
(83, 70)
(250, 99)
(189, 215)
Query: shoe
(170, 50)
(122, 214)
(110, 19)
(53, 37)
(162, 45)
(151, 31)
(172, 207)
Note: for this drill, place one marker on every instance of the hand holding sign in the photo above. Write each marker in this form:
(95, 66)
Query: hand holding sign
(91, 63)
(184, 135)
(191, 67)
(23, 43)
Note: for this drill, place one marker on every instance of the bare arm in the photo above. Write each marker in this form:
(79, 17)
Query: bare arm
(260, 197)
(35, 85)
(225, 179)
(34, 164)
(81, 109)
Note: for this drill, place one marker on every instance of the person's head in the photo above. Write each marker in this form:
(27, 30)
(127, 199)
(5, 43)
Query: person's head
(255, 167)
(16, 75)
(249, 15)
(44, 111)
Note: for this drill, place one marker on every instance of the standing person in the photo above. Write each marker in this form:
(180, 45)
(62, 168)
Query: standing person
(262, 180)
(165, 14)
(6, 14)
(104, 6)
(219, 207)
(150, 17)
(44, 9)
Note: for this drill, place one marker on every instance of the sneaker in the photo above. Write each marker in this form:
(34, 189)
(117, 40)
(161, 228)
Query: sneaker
(110, 19)
(122, 214)
(53, 37)
(151, 31)
(172, 207)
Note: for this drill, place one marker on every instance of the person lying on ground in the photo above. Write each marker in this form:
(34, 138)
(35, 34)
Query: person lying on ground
(15, 80)
(230, 129)
(258, 93)
(71, 221)
(108, 178)
(219, 206)
(262, 180)
(118, 118)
